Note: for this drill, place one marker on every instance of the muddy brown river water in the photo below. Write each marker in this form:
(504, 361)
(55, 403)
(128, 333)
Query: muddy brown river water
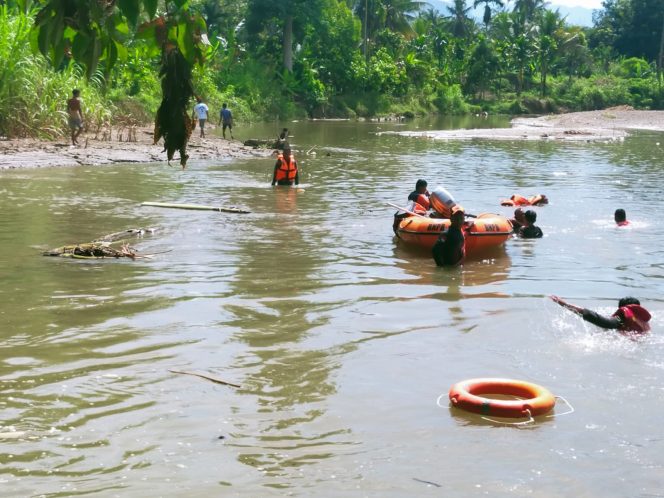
(342, 339)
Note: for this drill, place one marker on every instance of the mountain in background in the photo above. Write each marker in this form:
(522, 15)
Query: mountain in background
(578, 16)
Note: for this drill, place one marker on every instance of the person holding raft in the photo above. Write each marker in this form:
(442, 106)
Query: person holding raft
(630, 317)
(450, 248)
(621, 218)
(285, 169)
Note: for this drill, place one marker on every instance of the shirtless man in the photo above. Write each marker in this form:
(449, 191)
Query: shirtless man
(75, 113)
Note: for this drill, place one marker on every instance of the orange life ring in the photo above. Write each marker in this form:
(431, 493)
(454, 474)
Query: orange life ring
(537, 400)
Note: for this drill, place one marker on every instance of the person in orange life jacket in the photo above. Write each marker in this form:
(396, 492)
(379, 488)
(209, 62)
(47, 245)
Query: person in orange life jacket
(629, 317)
(285, 169)
(621, 218)
(450, 248)
(420, 194)
(529, 230)
(519, 220)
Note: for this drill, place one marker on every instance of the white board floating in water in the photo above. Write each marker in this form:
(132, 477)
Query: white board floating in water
(198, 207)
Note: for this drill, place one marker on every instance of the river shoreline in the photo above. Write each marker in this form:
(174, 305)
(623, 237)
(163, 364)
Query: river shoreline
(35, 153)
(605, 125)
(590, 126)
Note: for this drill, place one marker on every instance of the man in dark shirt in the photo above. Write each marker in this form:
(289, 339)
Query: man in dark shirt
(529, 230)
(450, 248)
(420, 194)
(629, 317)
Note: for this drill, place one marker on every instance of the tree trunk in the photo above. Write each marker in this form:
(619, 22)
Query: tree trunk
(661, 57)
(288, 43)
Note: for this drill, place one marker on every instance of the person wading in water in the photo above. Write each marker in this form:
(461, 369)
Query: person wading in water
(285, 169)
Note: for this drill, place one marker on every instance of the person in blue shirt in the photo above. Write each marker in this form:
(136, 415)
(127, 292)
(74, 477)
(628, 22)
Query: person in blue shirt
(226, 118)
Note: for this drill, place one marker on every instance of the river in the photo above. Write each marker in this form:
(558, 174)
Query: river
(342, 339)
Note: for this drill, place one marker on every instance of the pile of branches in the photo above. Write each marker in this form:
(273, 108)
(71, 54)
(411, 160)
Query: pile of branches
(101, 247)
(92, 250)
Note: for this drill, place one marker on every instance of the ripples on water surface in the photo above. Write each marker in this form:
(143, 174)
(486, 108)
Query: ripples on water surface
(341, 338)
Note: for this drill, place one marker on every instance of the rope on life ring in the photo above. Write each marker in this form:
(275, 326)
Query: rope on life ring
(536, 400)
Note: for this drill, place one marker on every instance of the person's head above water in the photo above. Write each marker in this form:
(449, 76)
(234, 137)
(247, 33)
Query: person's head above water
(530, 216)
(625, 301)
(458, 215)
(519, 215)
(620, 215)
(287, 149)
(421, 186)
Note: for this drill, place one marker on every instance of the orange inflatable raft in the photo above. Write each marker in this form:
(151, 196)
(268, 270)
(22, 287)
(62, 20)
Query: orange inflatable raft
(536, 399)
(485, 231)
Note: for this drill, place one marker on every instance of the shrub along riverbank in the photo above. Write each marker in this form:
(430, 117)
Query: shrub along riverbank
(413, 62)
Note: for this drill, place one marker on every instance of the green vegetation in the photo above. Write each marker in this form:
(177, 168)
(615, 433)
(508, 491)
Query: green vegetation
(319, 58)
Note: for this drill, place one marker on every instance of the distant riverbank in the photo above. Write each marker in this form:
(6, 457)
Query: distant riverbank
(604, 125)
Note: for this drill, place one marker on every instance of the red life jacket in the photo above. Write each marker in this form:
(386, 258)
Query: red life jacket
(286, 171)
(622, 223)
(634, 318)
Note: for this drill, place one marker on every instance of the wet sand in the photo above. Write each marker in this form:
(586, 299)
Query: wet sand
(34, 153)
(606, 125)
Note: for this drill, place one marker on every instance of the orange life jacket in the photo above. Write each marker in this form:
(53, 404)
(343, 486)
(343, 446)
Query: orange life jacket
(519, 200)
(423, 200)
(635, 318)
(286, 171)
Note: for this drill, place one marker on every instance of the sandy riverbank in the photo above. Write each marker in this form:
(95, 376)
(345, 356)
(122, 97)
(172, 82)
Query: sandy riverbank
(605, 125)
(31, 153)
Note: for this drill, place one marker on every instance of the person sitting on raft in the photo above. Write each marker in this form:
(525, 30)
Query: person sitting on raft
(420, 195)
(285, 169)
(629, 317)
(621, 218)
(518, 221)
(529, 230)
(450, 248)
(519, 200)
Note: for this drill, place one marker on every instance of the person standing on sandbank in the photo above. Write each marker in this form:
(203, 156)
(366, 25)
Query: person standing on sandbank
(75, 112)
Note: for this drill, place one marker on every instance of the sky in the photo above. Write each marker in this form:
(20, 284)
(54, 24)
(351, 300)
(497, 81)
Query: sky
(586, 4)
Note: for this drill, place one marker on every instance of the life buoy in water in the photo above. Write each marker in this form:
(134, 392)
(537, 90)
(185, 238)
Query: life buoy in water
(536, 399)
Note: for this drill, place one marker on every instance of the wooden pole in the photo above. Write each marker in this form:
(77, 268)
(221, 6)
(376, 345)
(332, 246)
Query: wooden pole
(196, 207)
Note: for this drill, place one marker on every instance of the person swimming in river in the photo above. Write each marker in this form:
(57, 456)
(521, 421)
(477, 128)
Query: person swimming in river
(621, 218)
(630, 317)
(450, 248)
(529, 230)
(518, 221)
(519, 200)
(285, 169)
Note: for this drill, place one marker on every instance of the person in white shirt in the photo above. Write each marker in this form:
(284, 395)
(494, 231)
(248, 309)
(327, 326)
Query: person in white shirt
(201, 111)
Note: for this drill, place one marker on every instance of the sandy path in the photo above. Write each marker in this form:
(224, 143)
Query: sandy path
(31, 153)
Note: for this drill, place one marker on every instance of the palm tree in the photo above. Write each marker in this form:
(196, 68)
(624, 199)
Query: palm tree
(459, 17)
(529, 8)
(486, 19)
(548, 28)
(399, 14)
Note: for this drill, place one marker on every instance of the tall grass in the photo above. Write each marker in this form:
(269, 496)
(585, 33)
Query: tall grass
(32, 95)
